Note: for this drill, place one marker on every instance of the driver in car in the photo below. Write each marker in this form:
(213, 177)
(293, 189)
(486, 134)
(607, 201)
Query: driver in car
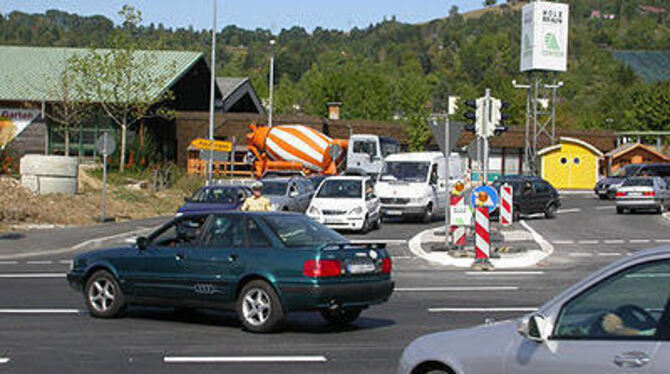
(614, 325)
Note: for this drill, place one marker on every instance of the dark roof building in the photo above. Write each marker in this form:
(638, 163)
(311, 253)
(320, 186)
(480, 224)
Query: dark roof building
(238, 95)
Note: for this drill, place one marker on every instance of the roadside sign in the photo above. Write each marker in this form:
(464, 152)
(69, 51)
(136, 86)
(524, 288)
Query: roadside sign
(216, 156)
(438, 126)
(460, 214)
(105, 144)
(218, 146)
(492, 201)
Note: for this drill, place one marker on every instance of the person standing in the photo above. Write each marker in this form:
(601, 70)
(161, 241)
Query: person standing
(257, 202)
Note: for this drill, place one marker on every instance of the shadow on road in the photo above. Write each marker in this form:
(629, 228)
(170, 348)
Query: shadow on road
(12, 236)
(301, 323)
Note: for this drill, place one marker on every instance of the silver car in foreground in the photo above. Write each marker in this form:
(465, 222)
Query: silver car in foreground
(640, 193)
(614, 321)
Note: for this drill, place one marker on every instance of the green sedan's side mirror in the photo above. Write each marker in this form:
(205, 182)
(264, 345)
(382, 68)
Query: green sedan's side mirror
(142, 242)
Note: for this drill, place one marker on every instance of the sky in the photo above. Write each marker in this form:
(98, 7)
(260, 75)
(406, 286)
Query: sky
(252, 14)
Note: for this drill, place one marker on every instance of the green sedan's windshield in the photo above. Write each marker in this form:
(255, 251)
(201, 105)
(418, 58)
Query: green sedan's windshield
(301, 231)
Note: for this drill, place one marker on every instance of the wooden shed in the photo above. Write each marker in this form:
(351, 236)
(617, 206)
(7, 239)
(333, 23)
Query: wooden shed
(633, 153)
(572, 164)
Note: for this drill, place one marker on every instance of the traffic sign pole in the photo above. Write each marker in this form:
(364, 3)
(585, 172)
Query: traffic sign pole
(447, 208)
(104, 178)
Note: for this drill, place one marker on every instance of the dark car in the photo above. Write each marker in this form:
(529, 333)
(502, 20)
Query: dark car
(261, 265)
(606, 188)
(215, 198)
(532, 195)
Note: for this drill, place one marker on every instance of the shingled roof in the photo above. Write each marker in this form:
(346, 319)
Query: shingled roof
(31, 73)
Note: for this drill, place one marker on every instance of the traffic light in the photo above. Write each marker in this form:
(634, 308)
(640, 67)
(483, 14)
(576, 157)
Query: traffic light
(471, 115)
(499, 116)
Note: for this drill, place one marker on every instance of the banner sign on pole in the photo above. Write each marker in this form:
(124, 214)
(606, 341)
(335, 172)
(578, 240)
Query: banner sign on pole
(544, 36)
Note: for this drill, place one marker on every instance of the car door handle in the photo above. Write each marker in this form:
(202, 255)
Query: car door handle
(232, 258)
(180, 257)
(632, 359)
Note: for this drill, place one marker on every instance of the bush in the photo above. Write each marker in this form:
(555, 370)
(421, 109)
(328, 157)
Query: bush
(9, 163)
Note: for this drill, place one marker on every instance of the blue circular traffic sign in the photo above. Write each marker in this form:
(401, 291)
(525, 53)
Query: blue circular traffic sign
(491, 203)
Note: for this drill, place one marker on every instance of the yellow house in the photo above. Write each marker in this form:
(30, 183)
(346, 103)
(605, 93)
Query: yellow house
(570, 165)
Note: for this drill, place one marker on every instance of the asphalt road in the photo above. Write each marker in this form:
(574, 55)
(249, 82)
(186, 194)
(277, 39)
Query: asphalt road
(47, 332)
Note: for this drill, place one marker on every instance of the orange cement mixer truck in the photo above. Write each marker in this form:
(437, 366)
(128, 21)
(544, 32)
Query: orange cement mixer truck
(295, 148)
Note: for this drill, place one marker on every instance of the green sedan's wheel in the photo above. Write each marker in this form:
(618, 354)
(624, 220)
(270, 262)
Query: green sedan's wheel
(259, 307)
(341, 316)
(104, 298)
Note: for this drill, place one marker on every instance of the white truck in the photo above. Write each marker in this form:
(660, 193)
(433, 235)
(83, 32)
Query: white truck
(415, 184)
(366, 153)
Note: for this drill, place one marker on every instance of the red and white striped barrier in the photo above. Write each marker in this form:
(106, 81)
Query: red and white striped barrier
(482, 235)
(458, 235)
(506, 205)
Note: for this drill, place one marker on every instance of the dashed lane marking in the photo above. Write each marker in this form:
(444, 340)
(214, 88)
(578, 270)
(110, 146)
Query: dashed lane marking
(4, 360)
(39, 262)
(588, 242)
(563, 242)
(662, 240)
(240, 359)
(8, 262)
(66, 262)
(40, 311)
(562, 211)
(609, 254)
(639, 241)
(580, 254)
(456, 289)
(32, 275)
(605, 207)
(504, 272)
(482, 310)
(611, 241)
(401, 257)
(614, 241)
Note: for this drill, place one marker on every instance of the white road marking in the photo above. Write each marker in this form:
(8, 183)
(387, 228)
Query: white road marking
(563, 242)
(662, 240)
(605, 207)
(609, 254)
(614, 241)
(401, 257)
(504, 272)
(580, 254)
(639, 241)
(40, 311)
(481, 310)
(378, 241)
(39, 262)
(4, 360)
(588, 242)
(457, 289)
(574, 210)
(8, 262)
(240, 359)
(32, 275)
(67, 262)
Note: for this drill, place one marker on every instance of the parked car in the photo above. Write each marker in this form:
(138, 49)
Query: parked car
(614, 321)
(316, 180)
(606, 188)
(531, 195)
(215, 198)
(643, 193)
(414, 185)
(262, 265)
(288, 194)
(347, 203)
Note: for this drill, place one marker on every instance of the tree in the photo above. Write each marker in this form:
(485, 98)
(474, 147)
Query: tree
(412, 95)
(65, 109)
(489, 3)
(123, 81)
(453, 11)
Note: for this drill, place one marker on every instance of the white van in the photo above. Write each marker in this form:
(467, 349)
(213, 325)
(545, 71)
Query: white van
(366, 153)
(415, 184)
(346, 203)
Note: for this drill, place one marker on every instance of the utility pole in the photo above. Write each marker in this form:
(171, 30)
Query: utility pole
(485, 140)
(272, 79)
(212, 91)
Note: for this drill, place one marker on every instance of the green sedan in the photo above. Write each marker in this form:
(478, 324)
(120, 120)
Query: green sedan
(261, 265)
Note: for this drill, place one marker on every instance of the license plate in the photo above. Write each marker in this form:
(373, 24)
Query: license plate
(394, 212)
(634, 194)
(333, 221)
(360, 268)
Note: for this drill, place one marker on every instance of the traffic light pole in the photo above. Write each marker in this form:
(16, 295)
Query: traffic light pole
(447, 208)
(485, 140)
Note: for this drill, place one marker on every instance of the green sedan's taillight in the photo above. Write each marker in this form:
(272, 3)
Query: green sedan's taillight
(322, 268)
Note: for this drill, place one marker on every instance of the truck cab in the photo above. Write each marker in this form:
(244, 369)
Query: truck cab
(367, 152)
(415, 184)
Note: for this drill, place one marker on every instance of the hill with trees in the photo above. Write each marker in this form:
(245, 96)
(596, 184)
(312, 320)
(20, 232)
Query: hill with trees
(392, 70)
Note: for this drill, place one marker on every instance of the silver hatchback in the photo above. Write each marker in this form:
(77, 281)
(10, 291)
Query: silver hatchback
(614, 321)
(643, 193)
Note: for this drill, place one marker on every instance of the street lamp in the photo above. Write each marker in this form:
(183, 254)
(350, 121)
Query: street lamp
(272, 79)
(212, 92)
